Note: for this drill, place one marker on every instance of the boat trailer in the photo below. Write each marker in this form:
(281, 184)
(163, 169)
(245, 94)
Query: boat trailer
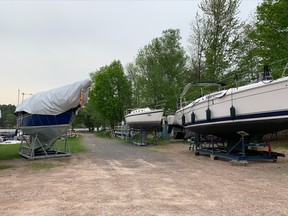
(240, 152)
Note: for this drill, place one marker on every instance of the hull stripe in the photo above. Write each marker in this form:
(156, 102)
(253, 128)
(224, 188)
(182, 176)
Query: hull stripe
(249, 117)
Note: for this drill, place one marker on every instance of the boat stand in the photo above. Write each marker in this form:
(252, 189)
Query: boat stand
(61, 148)
(142, 141)
(238, 153)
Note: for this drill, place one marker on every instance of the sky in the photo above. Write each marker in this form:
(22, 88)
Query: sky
(47, 44)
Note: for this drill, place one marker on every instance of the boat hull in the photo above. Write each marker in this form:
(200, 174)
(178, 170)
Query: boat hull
(44, 137)
(257, 109)
(44, 130)
(26, 119)
(145, 120)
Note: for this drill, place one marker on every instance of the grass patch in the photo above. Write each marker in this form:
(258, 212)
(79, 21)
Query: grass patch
(2, 167)
(103, 134)
(75, 145)
(41, 166)
(9, 152)
(278, 140)
(280, 145)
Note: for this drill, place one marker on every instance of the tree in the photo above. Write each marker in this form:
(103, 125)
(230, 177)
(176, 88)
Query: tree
(270, 33)
(197, 47)
(86, 117)
(111, 93)
(216, 36)
(248, 63)
(161, 70)
(136, 86)
(8, 119)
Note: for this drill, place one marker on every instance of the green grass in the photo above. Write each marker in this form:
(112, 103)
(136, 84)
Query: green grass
(37, 165)
(5, 167)
(103, 134)
(75, 145)
(9, 152)
(280, 145)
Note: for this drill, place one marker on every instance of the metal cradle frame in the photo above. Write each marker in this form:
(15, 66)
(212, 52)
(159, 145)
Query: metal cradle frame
(33, 147)
(215, 148)
(143, 135)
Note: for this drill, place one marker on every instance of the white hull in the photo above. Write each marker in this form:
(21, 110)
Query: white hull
(259, 108)
(145, 118)
(171, 120)
(10, 142)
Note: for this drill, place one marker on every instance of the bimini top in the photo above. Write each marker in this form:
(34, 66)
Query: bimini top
(57, 100)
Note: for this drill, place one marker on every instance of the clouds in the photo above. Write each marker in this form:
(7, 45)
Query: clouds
(45, 44)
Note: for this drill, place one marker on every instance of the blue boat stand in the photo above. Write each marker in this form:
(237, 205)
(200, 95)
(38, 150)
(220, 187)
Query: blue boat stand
(241, 151)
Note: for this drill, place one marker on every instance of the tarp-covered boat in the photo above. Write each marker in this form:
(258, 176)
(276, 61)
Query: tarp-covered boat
(47, 115)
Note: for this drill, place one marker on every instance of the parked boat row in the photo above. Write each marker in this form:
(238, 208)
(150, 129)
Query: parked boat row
(9, 142)
(257, 108)
(9, 136)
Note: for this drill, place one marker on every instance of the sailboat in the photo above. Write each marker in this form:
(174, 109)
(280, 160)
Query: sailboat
(47, 115)
(257, 108)
(144, 118)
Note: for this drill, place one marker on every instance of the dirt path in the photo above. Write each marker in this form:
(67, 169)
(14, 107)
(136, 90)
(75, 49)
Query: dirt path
(117, 178)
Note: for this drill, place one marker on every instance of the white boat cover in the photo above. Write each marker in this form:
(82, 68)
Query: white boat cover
(57, 100)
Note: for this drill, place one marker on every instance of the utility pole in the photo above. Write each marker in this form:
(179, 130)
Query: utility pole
(18, 95)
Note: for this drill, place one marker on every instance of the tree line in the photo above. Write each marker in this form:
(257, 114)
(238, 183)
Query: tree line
(221, 48)
(8, 119)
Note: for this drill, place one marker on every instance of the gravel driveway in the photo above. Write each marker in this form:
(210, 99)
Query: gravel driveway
(117, 178)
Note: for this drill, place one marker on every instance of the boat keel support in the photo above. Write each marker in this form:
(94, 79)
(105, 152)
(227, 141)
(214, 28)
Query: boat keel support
(60, 148)
(241, 152)
(143, 137)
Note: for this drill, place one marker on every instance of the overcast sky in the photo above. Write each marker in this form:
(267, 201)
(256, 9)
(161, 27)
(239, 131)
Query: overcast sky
(46, 44)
